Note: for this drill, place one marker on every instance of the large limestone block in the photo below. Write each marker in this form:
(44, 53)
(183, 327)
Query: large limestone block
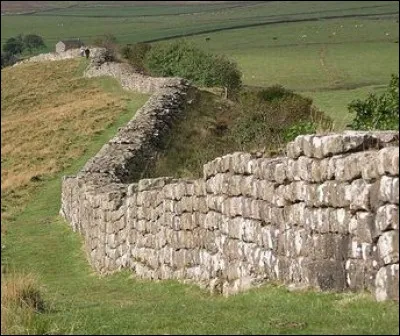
(387, 283)
(389, 189)
(326, 274)
(359, 195)
(388, 247)
(387, 218)
(236, 228)
(388, 161)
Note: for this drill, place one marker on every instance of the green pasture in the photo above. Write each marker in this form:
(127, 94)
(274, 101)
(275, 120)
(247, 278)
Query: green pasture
(130, 28)
(333, 60)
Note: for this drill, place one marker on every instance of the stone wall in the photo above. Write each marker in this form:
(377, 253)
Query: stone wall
(129, 79)
(54, 56)
(323, 216)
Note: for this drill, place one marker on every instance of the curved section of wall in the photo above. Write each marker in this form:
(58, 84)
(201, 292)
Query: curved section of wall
(325, 216)
(129, 79)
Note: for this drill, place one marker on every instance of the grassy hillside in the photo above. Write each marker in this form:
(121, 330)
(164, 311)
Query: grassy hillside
(58, 108)
(332, 51)
(47, 121)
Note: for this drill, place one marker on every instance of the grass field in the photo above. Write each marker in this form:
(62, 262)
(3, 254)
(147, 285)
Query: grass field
(354, 50)
(77, 301)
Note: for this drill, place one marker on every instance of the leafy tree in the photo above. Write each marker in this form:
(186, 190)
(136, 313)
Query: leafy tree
(14, 45)
(378, 112)
(33, 41)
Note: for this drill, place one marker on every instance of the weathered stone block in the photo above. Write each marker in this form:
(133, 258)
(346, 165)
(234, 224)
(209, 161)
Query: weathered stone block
(388, 247)
(387, 283)
(389, 189)
(236, 228)
(388, 161)
(293, 150)
(359, 195)
(387, 218)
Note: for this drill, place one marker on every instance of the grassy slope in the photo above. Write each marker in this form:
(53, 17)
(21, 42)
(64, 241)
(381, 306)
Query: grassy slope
(46, 121)
(80, 302)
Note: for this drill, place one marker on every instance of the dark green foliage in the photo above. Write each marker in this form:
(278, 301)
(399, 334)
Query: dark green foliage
(183, 59)
(214, 127)
(274, 92)
(8, 59)
(378, 112)
(14, 45)
(33, 41)
(267, 115)
(302, 127)
(135, 55)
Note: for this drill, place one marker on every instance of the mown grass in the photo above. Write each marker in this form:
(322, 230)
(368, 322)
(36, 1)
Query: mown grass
(77, 301)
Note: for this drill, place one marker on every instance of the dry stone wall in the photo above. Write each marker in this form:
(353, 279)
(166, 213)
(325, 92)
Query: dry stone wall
(323, 216)
(129, 79)
(54, 56)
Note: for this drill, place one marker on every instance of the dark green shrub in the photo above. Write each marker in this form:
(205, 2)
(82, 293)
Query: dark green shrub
(8, 59)
(274, 115)
(183, 59)
(274, 92)
(378, 112)
(14, 45)
(33, 41)
(136, 54)
(302, 127)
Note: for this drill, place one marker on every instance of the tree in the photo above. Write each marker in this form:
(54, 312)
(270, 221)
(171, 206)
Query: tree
(14, 45)
(33, 41)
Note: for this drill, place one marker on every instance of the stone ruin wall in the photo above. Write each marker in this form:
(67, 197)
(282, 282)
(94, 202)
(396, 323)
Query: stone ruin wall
(54, 56)
(323, 216)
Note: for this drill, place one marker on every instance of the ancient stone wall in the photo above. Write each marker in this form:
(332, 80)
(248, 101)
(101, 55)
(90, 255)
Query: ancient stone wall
(325, 215)
(129, 79)
(54, 56)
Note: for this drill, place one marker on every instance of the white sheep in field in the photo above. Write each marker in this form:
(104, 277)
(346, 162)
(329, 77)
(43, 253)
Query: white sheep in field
(303, 36)
(387, 34)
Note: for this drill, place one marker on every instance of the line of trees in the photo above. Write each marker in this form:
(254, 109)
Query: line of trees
(15, 46)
